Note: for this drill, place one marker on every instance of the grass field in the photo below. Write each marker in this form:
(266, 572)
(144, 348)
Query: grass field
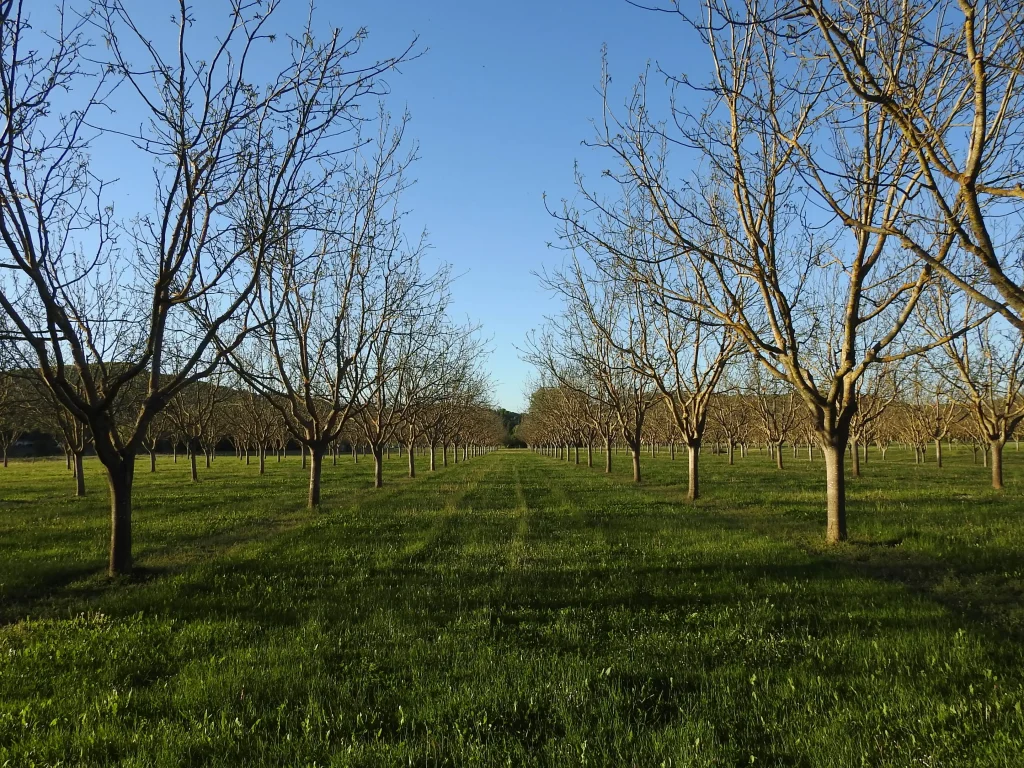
(515, 610)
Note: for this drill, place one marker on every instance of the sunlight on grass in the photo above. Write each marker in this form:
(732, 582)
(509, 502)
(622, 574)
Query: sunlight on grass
(514, 610)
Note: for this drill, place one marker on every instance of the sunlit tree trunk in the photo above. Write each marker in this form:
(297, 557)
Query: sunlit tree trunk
(834, 453)
(997, 463)
(693, 489)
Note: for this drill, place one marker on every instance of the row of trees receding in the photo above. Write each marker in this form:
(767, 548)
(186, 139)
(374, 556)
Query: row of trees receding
(840, 197)
(760, 413)
(270, 276)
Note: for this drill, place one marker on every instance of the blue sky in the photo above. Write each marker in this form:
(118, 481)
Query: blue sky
(500, 103)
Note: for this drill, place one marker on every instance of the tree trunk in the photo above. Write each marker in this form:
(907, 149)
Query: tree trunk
(693, 489)
(729, 446)
(576, 450)
(444, 454)
(316, 463)
(636, 463)
(263, 459)
(590, 454)
(79, 476)
(152, 460)
(192, 465)
(302, 450)
(207, 453)
(247, 455)
(607, 456)
(778, 455)
(855, 459)
(997, 464)
(433, 457)
(810, 451)
(835, 490)
(412, 460)
(938, 453)
(119, 478)
(378, 469)
(866, 444)
(67, 459)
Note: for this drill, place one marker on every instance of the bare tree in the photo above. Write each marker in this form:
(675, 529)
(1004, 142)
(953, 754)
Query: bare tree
(931, 410)
(583, 348)
(876, 392)
(947, 76)
(730, 418)
(412, 309)
(326, 296)
(194, 416)
(440, 374)
(774, 408)
(983, 369)
(786, 217)
(13, 421)
(682, 348)
(214, 137)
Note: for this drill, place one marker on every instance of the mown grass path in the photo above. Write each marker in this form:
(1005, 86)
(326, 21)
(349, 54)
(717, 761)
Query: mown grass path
(515, 610)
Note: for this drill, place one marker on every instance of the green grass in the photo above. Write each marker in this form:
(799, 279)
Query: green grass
(515, 610)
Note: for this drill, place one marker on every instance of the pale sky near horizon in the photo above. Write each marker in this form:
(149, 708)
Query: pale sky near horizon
(500, 102)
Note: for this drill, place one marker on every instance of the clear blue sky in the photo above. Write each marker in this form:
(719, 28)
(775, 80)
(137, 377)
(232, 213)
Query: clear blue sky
(500, 103)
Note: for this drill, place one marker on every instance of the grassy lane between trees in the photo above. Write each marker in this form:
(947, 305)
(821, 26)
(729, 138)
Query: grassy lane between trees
(514, 610)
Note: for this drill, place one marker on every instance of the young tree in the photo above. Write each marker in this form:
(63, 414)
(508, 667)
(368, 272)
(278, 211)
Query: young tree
(13, 421)
(680, 346)
(412, 310)
(578, 350)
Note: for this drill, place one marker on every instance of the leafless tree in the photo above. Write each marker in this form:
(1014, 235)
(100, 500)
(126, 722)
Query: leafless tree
(413, 303)
(786, 218)
(194, 415)
(984, 369)
(81, 302)
(441, 373)
(774, 408)
(682, 348)
(327, 296)
(583, 348)
(947, 76)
